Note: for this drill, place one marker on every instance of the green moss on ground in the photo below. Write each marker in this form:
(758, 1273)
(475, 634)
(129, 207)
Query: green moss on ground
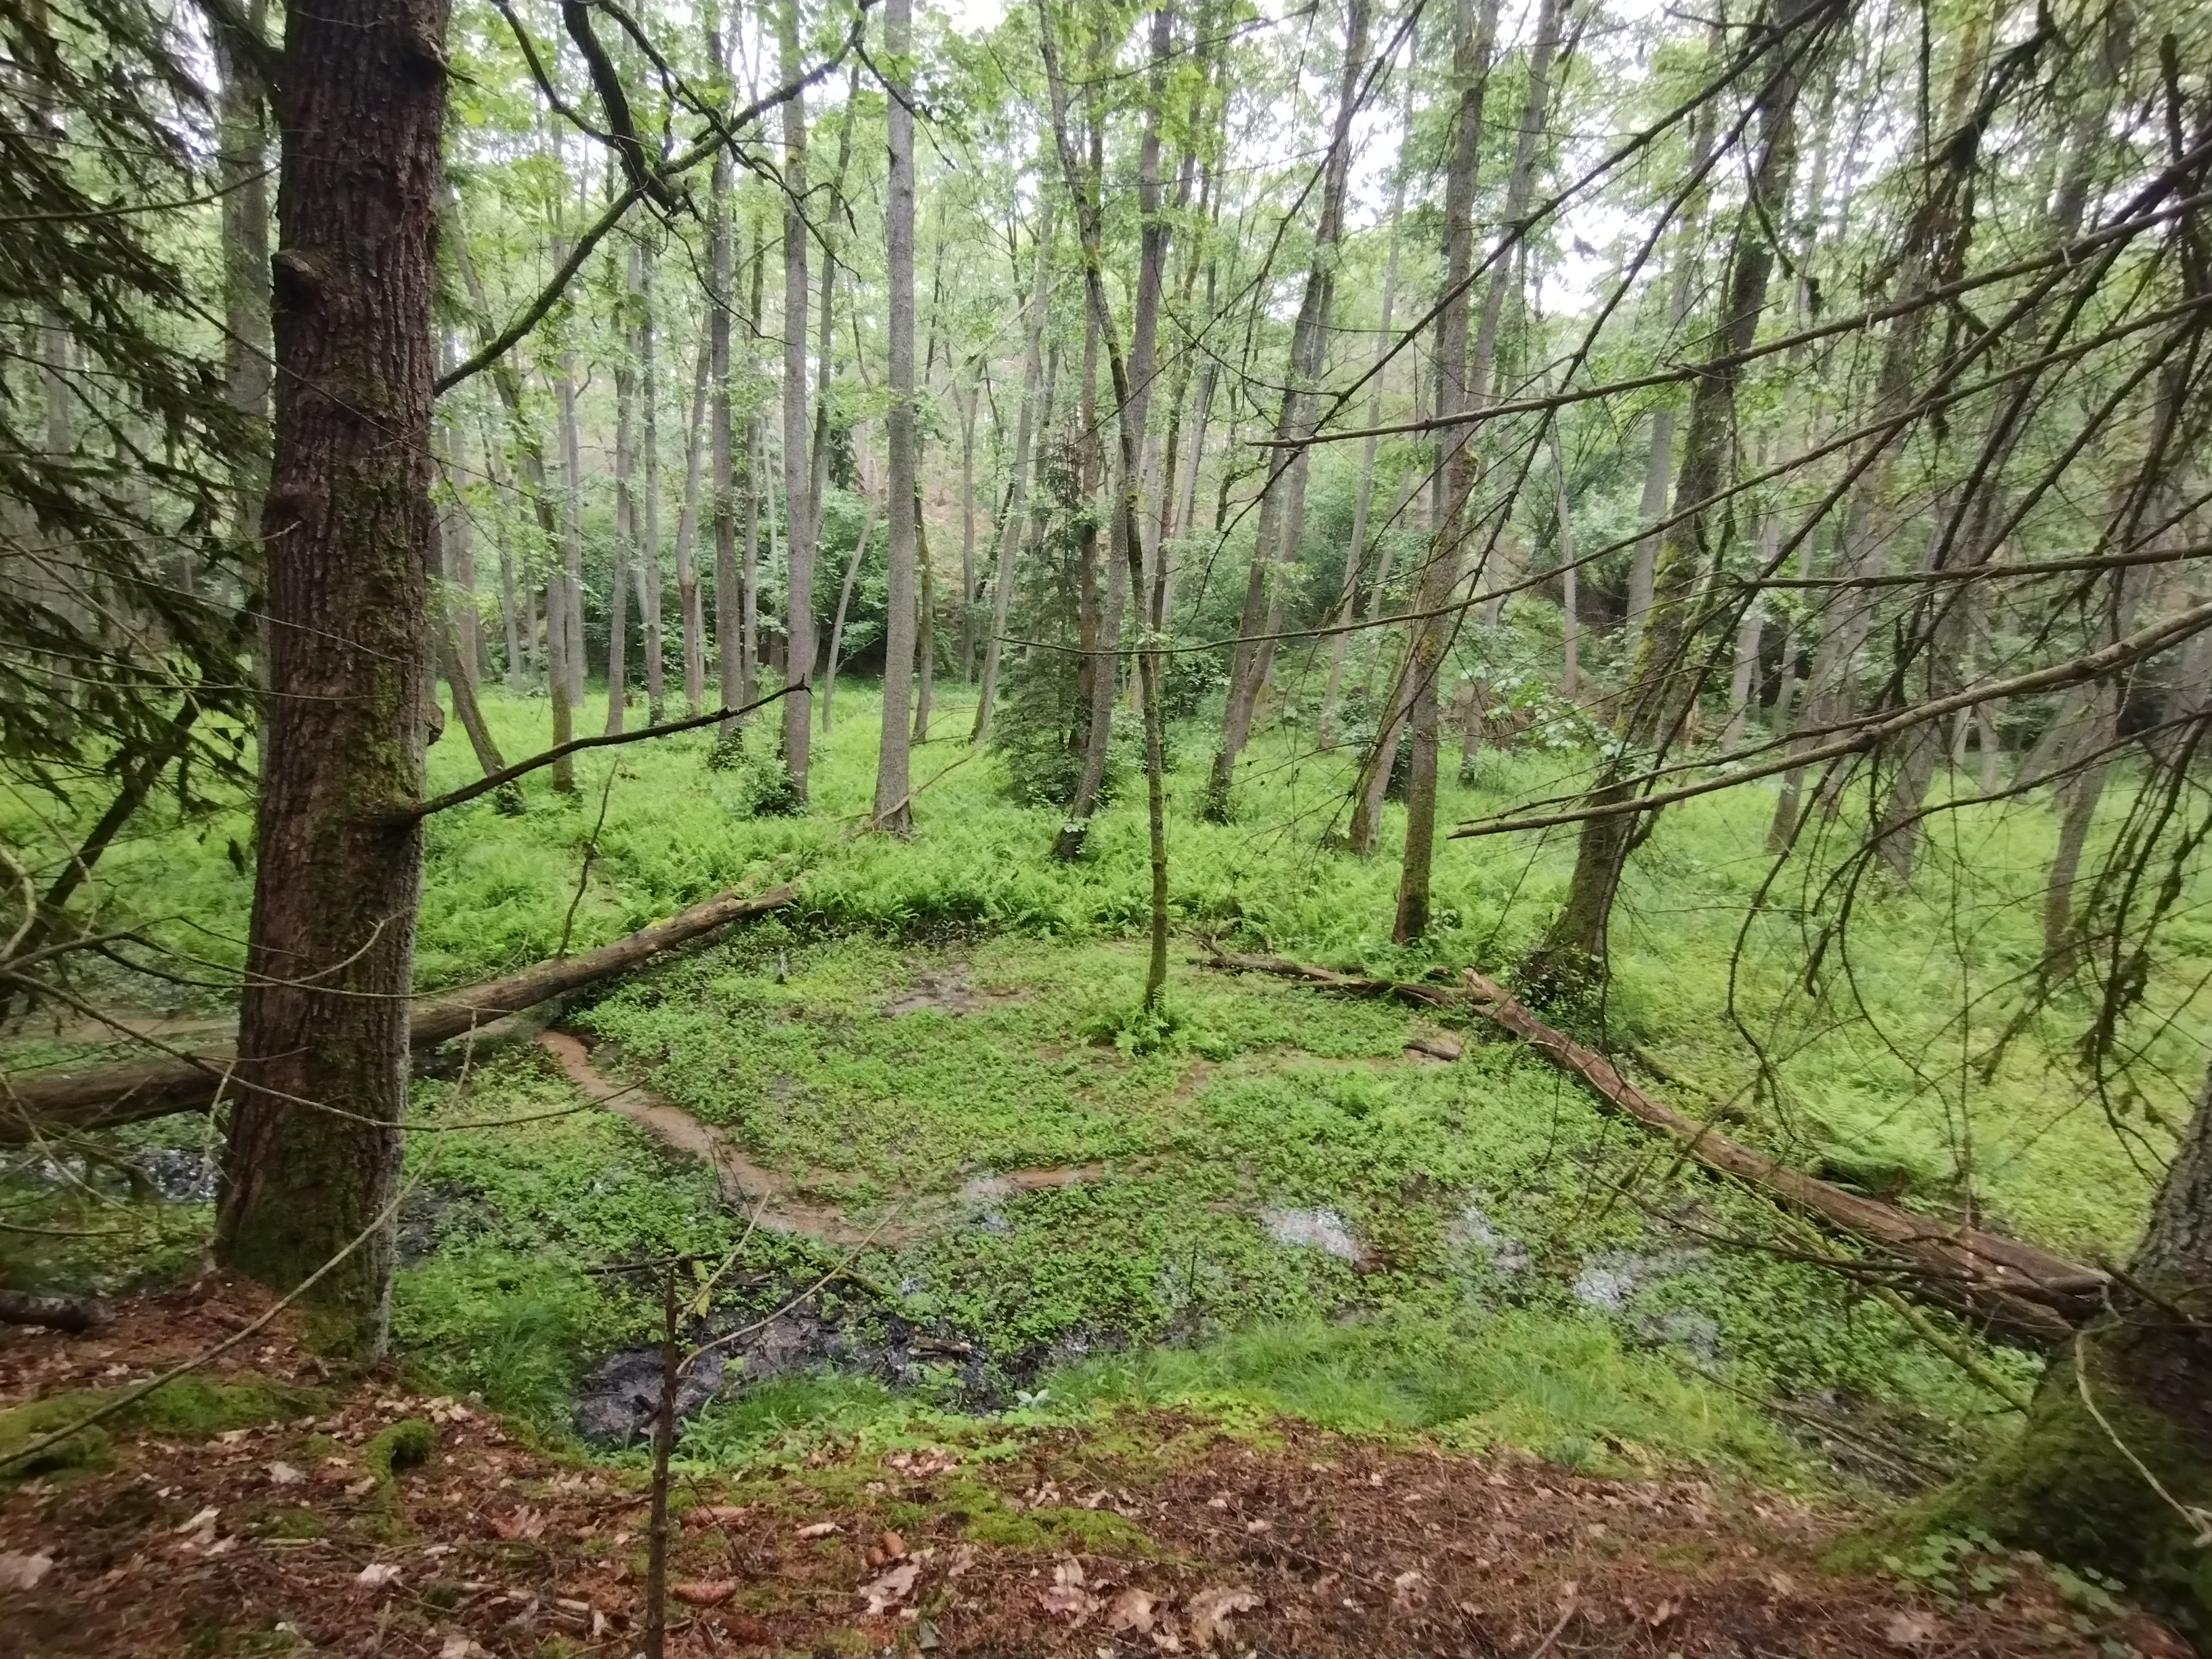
(2065, 1488)
(191, 1407)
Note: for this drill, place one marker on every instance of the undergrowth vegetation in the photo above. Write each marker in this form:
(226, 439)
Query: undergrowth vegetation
(1269, 1203)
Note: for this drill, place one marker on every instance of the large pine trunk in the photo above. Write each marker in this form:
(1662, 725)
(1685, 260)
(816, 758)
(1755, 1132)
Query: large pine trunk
(323, 1018)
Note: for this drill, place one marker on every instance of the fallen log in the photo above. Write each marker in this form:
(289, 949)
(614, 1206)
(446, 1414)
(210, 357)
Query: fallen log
(2020, 1291)
(61, 1100)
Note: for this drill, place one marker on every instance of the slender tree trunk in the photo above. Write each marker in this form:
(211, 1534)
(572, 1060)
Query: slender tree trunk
(1355, 547)
(323, 1015)
(1132, 382)
(844, 600)
(1456, 389)
(731, 603)
(1273, 548)
(1029, 453)
(1660, 692)
(798, 531)
(687, 534)
(902, 502)
(968, 534)
(1463, 380)
(648, 552)
(625, 547)
(572, 531)
(1569, 578)
(925, 638)
(241, 168)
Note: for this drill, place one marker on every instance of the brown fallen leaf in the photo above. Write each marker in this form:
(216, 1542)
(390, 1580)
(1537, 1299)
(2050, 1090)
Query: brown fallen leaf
(1132, 1612)
(1665, 1611)
(463, 1647)
(819, 1529)
(1210, 1610)
(23, 1572)
(892, 1588)
(1068, 1595)
(715, 1515)
(705, 1593)
(1915, 1629)
(524, 1522)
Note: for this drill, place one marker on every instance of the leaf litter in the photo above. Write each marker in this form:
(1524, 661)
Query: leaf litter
(1051, 1544)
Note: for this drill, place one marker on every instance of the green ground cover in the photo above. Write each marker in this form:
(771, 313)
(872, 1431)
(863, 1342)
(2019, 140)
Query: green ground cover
(1293, 1211)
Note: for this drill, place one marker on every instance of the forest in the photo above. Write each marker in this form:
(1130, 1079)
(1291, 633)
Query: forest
(1053, 827)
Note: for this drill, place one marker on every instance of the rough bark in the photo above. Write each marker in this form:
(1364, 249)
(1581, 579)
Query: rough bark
(2113, 1468)
(323, 1015)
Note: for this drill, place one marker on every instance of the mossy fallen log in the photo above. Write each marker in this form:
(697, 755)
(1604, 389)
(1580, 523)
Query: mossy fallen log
(67, 1101)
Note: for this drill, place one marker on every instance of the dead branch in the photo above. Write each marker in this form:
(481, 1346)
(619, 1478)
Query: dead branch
(2026, 1294)
(46, 1101)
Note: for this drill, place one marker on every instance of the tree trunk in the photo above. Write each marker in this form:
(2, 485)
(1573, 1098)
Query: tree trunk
(1355, 549)
(625, 548)
(687, 534)
(902, 502)
(798, 531)
(571, 576)
(1263, 600)
(1132, 383)
(1659, 695)
(323, 1015)
(241, 168)
(967, 534)
(730, 600)
(2113, 1468)
(648, 549)
(1570, 609)
(1028, 455)
(1473, 34)
(844, 600)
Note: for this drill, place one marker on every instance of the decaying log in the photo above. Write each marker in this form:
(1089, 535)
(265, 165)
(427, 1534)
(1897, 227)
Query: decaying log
(2019, 1291)
(46, 1101)
(60, 1313)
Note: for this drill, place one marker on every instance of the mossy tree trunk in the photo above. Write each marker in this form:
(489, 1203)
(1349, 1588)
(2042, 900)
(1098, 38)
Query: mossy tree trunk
(2114, 1467)
(348, 526)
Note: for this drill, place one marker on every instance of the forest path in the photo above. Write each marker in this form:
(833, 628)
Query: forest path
(779, 1196)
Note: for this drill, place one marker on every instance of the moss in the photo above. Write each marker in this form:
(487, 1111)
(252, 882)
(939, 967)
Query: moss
(189, 1408)
(2064, 1489)
(400, 1445)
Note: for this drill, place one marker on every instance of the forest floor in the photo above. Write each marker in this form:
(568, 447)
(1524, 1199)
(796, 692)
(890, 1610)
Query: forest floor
(983, 1256)
(262, 1523)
